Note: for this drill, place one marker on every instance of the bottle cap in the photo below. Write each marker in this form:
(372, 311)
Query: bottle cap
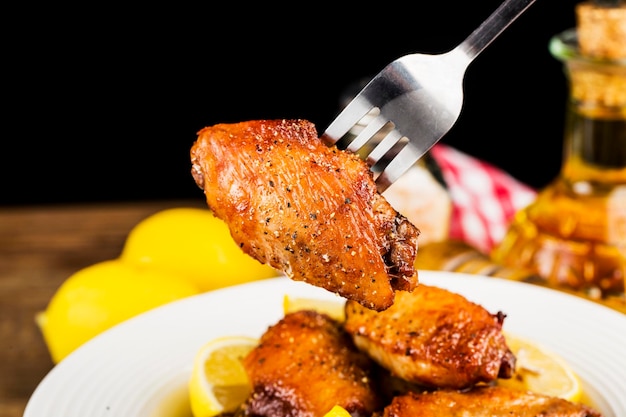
(601, 29)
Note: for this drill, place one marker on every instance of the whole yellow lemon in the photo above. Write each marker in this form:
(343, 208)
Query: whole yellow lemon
(194, 244)
(100, 296)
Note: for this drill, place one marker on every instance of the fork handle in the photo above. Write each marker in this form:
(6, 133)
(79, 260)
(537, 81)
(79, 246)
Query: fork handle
(499, 20)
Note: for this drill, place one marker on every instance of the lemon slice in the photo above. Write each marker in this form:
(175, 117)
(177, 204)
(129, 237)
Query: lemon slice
(541, 371)
(334, 309)
(219, 383)
(337, 411)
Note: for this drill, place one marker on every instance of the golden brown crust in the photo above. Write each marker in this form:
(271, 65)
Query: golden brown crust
(304, 365)
(434, 338)
(307, 209)
(485, 401)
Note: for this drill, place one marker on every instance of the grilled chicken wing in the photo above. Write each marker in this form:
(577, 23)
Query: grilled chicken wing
(304, 365)
(484, 401)
(307, 209)
(434, 338)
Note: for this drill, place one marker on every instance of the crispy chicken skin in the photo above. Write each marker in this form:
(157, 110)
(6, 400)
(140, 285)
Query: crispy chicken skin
(434, 338)
(484, 401)
(307, 209)
(304, 365)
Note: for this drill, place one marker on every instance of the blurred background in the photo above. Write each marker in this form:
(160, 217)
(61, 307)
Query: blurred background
(103, 104)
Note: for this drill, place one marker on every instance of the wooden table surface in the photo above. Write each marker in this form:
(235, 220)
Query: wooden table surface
(40, 247)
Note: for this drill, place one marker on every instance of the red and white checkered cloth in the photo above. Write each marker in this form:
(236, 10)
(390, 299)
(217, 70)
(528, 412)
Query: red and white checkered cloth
(484, 198)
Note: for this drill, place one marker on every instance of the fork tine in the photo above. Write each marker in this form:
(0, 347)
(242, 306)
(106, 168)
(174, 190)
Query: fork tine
(368, 132)
(383, 147)
(347, 119)
(382, 163)
(400, 163)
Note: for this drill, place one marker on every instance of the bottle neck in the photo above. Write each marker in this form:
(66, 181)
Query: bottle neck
(595, 149)
(595, 128)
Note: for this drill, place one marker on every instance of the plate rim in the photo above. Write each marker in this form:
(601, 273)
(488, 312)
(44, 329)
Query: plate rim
(465, 284)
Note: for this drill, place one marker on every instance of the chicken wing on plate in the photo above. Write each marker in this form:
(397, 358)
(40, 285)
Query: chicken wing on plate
(433, 337)
(485, 401)
(307, 209)
(304, 365)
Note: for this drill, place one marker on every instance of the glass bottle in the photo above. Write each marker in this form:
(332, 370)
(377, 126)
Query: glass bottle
(459, 256)
(574, 234)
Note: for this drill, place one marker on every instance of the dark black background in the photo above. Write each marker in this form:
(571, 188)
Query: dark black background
(103, 104)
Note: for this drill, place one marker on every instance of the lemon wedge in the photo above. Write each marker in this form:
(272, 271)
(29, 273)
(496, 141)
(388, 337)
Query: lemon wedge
(334, 309)
(541, 371)
(337, 411)
(218, 382)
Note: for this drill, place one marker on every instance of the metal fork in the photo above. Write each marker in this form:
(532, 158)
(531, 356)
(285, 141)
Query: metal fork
(413, 102)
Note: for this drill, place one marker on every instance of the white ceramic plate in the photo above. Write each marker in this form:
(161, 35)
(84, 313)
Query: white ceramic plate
(141, 367)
